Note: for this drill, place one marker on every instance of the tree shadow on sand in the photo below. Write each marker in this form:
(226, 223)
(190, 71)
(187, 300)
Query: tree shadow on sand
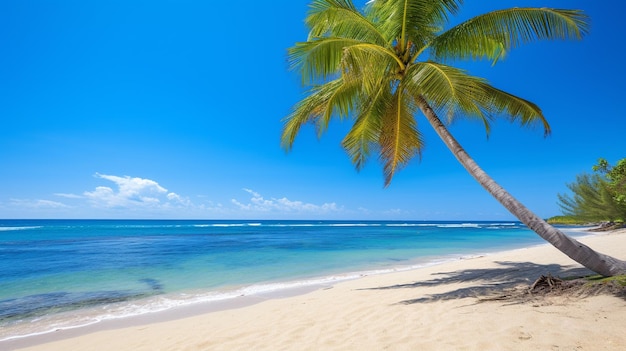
(510, 282)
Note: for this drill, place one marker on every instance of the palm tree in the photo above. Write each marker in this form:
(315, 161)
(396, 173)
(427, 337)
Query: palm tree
(382, 66)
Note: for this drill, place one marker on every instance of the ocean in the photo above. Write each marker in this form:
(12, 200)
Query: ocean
(61, 274)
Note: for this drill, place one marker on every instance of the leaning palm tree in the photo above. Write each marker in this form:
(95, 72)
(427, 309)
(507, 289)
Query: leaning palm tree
(382, 66)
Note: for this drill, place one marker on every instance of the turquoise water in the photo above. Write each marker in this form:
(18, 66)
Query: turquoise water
(64, 273)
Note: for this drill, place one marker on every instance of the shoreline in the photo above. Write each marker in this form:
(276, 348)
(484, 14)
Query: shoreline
(172, 306)
(225, 300)
(211, 312)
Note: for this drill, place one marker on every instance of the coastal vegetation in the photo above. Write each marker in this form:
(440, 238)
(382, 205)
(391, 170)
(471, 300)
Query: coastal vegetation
(566, 220)
(597, 197)
(383, 66)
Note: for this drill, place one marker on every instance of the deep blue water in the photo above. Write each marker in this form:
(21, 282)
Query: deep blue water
(61, 273)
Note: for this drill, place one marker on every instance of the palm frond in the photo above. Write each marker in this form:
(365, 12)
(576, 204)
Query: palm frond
(416, 21)
(399, 139)
(448, 90)
(453, 92)
(341, 101)
(370, 64)
(516, 109)
(364, 134)
(316, 108)
(494, 33)
(318, 59)
(339, 18)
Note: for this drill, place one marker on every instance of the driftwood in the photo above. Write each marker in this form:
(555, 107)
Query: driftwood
(546, 284)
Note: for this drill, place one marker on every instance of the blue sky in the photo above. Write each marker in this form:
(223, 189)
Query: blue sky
(172, 109)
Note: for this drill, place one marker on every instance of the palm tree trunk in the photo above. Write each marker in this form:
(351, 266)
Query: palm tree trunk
(595, 261)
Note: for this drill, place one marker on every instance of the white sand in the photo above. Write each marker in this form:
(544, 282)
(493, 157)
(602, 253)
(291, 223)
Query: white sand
(433, 308)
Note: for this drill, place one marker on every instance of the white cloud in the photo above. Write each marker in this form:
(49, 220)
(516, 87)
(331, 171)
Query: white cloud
(69, 196)
(175, 198)
(130, 192)
(38, 204)
(259, 204)
(135, 197)
(146, 197)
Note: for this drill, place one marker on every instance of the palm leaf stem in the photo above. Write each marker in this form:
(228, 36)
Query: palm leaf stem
(403, 44)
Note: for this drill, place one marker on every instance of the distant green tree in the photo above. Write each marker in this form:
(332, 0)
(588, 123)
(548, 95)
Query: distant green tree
(597, 197)
(591, 200)
(616, 178)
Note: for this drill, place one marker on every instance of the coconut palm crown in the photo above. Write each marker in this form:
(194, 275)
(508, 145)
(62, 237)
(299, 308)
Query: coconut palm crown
(383, 66)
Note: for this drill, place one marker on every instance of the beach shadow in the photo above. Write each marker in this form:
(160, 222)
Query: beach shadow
(488, 281)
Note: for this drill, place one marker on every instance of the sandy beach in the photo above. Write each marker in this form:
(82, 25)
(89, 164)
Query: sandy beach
(450, 306)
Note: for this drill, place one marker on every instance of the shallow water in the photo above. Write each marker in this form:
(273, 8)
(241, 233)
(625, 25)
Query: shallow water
(57, 274)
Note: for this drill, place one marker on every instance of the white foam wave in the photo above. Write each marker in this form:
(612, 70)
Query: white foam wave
(8, 229)
(460, 225)
(226, 225)
(89, 316)
(325, 225)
